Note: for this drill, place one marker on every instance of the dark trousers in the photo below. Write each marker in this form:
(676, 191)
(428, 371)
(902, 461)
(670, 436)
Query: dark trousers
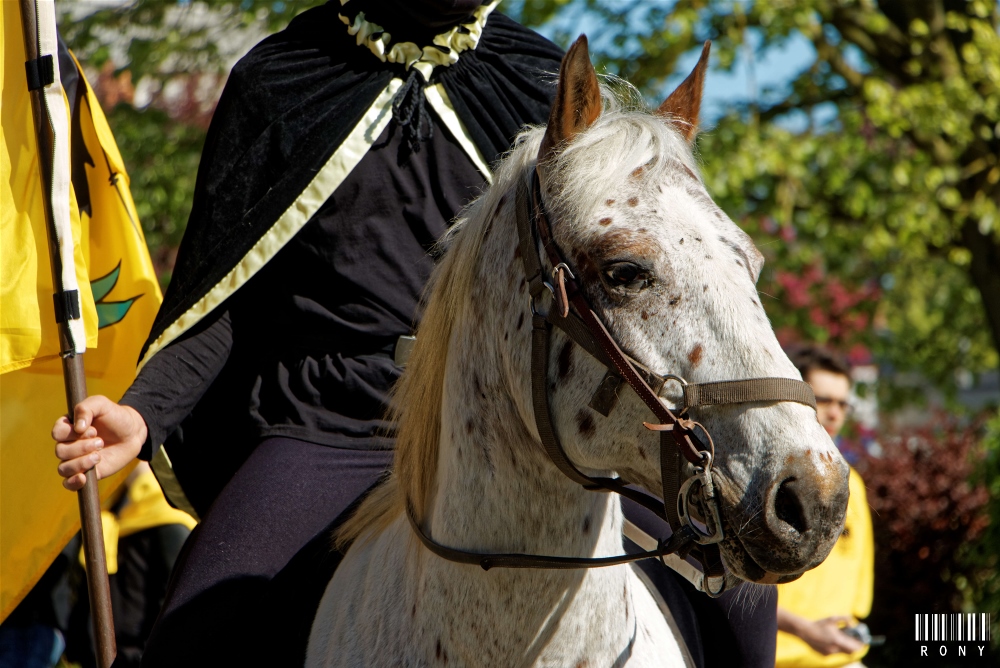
(250, 577)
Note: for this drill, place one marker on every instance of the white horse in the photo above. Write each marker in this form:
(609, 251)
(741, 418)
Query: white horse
(673, 278)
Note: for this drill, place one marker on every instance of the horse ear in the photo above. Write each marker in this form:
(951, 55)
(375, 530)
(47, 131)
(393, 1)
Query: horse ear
(578, 100)
(683, 105)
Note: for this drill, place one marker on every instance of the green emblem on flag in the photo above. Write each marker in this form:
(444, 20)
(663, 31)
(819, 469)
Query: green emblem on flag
(109, 313)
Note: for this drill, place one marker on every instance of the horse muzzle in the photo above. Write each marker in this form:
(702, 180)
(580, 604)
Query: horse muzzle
(802, 518)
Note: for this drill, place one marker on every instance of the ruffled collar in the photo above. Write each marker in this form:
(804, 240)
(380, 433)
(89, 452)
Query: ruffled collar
(443, 51)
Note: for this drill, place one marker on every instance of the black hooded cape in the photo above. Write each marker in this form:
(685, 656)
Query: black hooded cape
(289, 105)
(292, 101)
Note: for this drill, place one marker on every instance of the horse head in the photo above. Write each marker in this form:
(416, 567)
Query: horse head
(673, 279)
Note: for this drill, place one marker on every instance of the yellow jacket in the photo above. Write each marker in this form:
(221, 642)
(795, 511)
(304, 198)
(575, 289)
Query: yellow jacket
(841, 585)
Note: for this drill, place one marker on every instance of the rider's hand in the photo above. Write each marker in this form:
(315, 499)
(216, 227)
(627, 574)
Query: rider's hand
(102, 434)
(826, 637)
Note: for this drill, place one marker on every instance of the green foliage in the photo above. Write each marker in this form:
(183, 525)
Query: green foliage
(896, 197)
(161, 156)
(159, 43)
(166, 39)
(981, 560)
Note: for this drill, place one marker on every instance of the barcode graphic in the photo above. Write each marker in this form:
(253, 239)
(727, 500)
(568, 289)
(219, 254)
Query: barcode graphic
(945, 627)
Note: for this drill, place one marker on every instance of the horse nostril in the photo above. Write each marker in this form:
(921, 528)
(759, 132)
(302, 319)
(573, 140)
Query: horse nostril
(788, 507)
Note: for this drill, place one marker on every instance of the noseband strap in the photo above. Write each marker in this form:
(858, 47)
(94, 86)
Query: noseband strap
(748, 391)
(571, 312)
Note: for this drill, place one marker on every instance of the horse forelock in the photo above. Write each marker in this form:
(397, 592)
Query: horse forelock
(625, 142)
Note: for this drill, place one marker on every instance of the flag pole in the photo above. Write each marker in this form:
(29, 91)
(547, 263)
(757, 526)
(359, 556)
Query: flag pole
(73, 371)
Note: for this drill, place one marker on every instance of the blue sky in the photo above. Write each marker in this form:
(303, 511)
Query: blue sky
(773, 69)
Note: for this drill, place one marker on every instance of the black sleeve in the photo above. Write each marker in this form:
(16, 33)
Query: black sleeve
(175, 379)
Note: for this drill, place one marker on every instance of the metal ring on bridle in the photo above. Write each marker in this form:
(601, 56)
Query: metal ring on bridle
(706, 489)
(670, 376)
(707, 586)
(531, 298)
(683, 383)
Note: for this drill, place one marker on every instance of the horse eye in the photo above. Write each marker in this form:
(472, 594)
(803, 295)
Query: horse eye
(627, 275)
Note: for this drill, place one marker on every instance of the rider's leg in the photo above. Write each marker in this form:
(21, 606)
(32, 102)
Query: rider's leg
(286, 494)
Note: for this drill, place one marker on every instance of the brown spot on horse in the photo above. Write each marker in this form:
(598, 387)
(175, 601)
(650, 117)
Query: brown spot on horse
(585, 423)
(565, 360)
(633, 201)
(695, 355)
(620, 242)
(605, 221)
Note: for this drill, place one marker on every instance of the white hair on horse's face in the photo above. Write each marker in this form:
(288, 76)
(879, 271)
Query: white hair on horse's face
(598, 162)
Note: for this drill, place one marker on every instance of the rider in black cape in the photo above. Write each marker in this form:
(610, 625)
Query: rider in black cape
(341, 149)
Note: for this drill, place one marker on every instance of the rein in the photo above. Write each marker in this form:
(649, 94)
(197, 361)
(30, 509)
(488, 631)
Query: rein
(572, 313)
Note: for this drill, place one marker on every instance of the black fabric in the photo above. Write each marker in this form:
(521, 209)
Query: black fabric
(345, 288)
(415, 21)
(39, 72)
(67, 305)
(409, 110)
(304, 345)
(740, 628)
(287, 106)
(221, 608)
(482, 84)
(145, 561)
(174, 381)
(290, 103)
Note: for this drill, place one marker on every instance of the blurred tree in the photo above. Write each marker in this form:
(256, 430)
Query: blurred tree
(980, 582)
(178, 54)
(927, 517)
(895, 195)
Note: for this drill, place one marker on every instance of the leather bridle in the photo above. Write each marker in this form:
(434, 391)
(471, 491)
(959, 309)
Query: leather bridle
(571, 312)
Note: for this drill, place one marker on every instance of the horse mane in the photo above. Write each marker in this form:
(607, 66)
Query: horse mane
(416, 401)
(415, 404)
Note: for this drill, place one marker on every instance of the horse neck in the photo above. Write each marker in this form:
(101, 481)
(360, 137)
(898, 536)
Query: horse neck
(497, 491)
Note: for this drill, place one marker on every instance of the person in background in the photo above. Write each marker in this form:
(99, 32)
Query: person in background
(815, 610)
(143, 537)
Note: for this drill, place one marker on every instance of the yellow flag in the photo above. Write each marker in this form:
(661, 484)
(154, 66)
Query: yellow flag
(119, 298)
